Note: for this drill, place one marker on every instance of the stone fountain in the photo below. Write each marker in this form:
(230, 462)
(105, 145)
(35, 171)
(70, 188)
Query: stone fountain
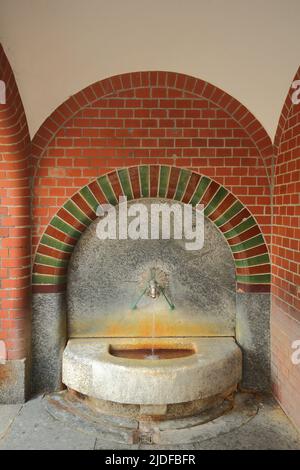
(151, 325)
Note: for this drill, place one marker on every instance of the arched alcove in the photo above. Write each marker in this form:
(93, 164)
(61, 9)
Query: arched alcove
(232, 218)
(151, 134)
(238, 229)
(107, 277)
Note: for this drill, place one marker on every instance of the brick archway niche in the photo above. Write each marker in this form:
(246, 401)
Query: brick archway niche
(240, 269)
(151, 134)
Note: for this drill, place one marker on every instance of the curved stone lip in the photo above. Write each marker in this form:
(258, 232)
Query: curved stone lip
(90, 369)
(169, 343)
(144, 364)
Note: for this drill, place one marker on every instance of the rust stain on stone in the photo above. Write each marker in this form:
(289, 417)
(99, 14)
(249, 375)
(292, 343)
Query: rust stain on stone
(138, 325)
(6, 374)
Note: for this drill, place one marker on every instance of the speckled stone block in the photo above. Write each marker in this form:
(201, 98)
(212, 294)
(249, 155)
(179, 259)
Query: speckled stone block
(48, 341)
(253, 335)
(14, 381)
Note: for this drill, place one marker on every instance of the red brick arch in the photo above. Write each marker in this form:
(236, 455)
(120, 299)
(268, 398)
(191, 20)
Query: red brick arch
(15, 223)
(230, 216)
(142, 118)
(160, 79)
(285, 227)
(285, 255)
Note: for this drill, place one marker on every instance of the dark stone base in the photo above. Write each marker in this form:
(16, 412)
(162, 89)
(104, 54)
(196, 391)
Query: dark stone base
(48, 342)
(253, 335)
(14, 382)
(107, 426)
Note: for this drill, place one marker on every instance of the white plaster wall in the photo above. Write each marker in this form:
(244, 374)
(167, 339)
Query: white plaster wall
(249, 48)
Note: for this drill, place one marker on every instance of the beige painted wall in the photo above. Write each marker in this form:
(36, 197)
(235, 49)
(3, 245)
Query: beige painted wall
(249, 48)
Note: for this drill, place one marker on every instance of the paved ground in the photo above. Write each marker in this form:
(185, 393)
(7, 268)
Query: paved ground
(29, 426)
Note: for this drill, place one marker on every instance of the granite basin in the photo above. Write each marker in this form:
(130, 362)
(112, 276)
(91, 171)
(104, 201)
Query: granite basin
(213, 369)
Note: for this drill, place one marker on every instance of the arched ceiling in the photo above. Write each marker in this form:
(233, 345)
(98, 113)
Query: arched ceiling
(250, 49)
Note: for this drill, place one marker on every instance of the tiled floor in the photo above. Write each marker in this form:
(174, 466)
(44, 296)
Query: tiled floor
(30, 426)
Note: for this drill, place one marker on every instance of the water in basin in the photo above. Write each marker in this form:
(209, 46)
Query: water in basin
(151, 353)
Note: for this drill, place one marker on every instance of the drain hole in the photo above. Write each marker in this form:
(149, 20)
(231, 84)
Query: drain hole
(146, 438)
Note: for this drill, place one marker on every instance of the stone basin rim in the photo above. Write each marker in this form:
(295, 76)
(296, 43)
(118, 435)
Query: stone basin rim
(89, 369)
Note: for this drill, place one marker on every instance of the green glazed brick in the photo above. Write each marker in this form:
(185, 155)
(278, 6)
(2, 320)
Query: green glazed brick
(181, 185)
(242, 227)
(44, 279)
(49, 261)
(89, 198)
(201, 188)
(125, 183)
(247, 244)
(65, 228)
(144, 178)
(255, 279)
(254, 261)
(216, 200)
(229, 214)
(163, 180)
(107, 190)
(57, 244)
(71, 207)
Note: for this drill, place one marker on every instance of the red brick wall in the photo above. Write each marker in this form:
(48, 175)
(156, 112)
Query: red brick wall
(148, 117)
(155, 118)
(286, 259)
(15, 221)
